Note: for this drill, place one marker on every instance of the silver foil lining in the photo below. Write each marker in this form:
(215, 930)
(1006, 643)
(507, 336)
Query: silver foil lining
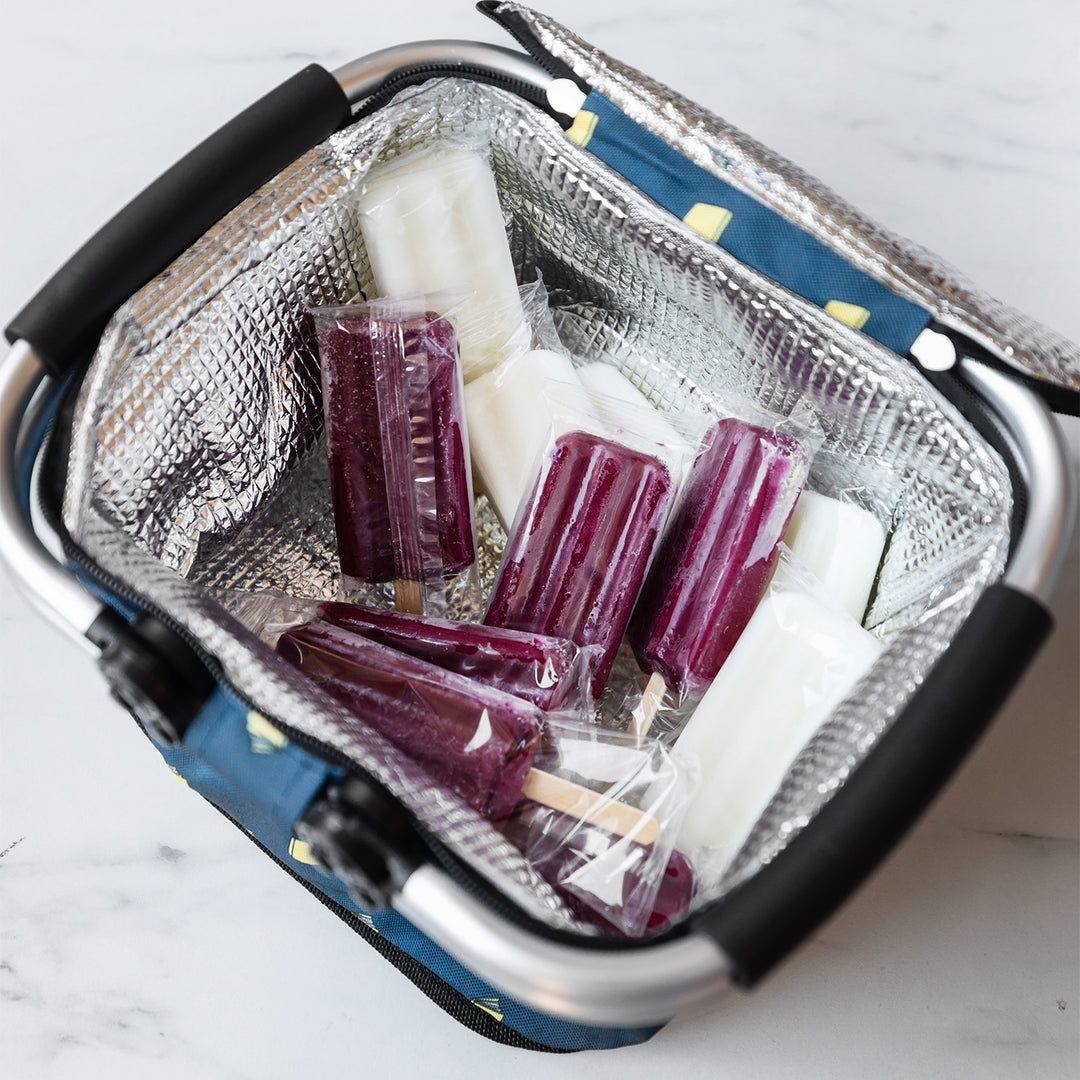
(197, 472)
(903, 266)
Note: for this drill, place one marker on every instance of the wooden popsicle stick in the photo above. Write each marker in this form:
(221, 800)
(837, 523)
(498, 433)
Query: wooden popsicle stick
(407, 596)
(645, 713)
(590, 806)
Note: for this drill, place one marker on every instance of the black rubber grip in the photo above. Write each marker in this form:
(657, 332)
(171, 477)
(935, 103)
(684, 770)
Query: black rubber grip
(64, 321)
(761, 921)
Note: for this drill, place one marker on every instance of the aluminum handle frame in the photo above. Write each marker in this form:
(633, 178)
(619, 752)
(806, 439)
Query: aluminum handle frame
(48, 585)
(641, 984)
(362, 78)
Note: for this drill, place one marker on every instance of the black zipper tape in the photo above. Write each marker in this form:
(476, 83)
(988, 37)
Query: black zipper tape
(517, 27)
(421, 73)
(1060, 398)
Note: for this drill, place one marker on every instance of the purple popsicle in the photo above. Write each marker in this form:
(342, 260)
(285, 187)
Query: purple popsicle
(538, 668)
(396, 440)
(715, 561)
(582, 544)
(477, 741)
(559, 848)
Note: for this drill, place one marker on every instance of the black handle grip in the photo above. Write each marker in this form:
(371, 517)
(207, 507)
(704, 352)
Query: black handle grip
(766, 917)
(64, 321)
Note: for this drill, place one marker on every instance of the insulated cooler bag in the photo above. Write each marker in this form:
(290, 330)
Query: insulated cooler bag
(165, 383)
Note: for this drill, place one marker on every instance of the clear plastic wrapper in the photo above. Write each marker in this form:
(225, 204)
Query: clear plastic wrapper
(560, 848)
(432, 223)
(719, 550)
(489, 748)
(583, 541)
(627, 884)
(798, 658)
(535, 305)
(509, 412)
(398, 447)
(552, 673)
(840, 525)
(841, 544)
(510, 422)
(513, 416)
(613, 391)
(479, 743)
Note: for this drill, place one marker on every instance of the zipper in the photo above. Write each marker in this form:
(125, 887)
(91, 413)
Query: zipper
(422, 72)
(518, 28)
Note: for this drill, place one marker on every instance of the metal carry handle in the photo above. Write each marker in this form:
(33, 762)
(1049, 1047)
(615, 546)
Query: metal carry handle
(740, 939)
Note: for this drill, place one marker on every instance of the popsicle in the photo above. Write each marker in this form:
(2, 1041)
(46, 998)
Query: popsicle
(604, 881)
(510, 422)
(715, 561)
(397, 445)
(582, 545)
(477, 741)
(841, 544)
(541, 669)
(796, 660)
(431, 222)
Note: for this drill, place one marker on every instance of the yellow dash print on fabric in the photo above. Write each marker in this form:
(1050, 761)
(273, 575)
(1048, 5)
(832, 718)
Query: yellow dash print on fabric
(369, 922)
(258, 727)
(851, 314)
(178, 776)
(491, 1005)
(300, 850)
(708, 220)
(581, 130)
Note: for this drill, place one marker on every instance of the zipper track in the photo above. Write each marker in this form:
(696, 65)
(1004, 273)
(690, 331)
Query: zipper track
(1061, 399)
(422, 72)
(516, 26)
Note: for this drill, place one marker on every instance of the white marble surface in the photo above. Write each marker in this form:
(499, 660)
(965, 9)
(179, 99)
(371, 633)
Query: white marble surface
(141, 935)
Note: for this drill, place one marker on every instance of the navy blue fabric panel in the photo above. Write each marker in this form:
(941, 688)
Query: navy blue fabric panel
(756, 235)
(269, 784)
(265, 783)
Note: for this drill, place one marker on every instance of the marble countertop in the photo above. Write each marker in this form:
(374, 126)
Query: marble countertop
(142, 935)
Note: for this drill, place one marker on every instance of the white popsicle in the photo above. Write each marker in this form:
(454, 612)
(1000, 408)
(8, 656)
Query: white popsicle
(613, 387)
(841, 545)
(511, 421)
(432, 224)
(796, 660)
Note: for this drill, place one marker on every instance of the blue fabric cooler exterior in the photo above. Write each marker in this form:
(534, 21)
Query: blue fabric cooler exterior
(749, 230)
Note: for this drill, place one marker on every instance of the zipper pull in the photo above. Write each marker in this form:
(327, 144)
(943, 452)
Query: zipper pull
(567, 93)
